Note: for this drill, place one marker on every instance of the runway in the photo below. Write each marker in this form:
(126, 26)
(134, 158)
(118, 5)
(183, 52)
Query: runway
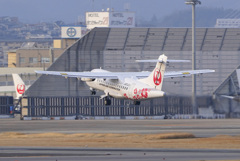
(200, 128)
(76, 154)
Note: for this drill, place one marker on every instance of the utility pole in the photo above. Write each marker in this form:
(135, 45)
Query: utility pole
(193, 3)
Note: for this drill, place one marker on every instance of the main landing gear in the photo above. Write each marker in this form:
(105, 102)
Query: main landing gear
(136, 102)
(93, 91)
(107, 101)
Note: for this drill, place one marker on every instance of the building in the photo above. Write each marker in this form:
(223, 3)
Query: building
(12, 46)
(227, 95)
(6, 46)
(31, 54)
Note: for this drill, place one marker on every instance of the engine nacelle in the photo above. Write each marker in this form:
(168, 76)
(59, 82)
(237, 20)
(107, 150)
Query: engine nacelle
(87, 79)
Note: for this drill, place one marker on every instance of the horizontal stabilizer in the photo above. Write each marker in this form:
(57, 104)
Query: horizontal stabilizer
(160, 61)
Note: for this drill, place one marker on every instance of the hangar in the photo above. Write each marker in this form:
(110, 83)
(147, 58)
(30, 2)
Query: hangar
(226, 96)
(116, 49)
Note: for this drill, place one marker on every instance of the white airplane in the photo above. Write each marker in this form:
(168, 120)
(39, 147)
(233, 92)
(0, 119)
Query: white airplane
(20, 88)
(136, 86)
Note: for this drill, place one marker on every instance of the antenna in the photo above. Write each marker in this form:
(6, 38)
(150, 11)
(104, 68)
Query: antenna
(80, 19)
(92, 5)
(110, 4)
(126, 6)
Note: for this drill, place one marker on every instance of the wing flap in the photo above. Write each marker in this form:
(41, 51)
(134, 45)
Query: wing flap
(91, 75)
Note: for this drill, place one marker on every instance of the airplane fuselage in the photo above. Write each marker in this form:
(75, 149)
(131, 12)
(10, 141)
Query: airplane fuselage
(129, 88)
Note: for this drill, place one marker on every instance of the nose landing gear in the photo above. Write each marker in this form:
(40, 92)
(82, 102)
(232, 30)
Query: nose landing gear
(107, 101)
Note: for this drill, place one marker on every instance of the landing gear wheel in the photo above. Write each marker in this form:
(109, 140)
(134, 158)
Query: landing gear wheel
(93, 92)
(107, 101)
(136, 102)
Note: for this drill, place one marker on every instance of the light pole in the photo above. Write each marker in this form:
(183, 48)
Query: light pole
(193, 3)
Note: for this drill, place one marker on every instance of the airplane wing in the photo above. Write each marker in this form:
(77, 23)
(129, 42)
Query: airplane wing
(119, 75)
(94, 75)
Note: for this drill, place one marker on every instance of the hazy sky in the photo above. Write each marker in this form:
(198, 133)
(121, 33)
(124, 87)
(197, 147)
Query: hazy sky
(32, 11)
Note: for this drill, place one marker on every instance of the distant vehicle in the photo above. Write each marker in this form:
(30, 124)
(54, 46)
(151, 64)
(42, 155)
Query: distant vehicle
(136, 86)
(20, 88)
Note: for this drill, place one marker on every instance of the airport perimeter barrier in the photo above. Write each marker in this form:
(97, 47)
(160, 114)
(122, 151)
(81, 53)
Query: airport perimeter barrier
(6, 105)
(94, 106)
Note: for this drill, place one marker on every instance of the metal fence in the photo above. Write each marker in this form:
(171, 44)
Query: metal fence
(94, 106)
(6, 105)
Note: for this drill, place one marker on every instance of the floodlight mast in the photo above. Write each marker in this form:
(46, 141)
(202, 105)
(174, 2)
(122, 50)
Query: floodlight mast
(193, 3)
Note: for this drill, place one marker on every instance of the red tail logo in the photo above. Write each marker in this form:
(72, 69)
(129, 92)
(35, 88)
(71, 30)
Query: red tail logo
(157, 77)
(20, 88)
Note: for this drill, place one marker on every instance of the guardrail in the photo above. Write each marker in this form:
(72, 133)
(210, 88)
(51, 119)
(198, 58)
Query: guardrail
(6, 105)
(94, 106)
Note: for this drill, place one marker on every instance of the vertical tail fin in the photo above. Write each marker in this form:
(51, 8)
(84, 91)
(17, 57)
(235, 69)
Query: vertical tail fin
(19, 85)
(155, 79)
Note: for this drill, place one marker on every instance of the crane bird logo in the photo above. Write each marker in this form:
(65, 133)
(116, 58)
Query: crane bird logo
(20, 88)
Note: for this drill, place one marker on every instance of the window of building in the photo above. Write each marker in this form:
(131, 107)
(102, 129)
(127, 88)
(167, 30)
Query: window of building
(33, 60)
(22, 60)
(45, 60)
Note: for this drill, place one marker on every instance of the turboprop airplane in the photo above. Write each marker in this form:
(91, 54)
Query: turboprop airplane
(136, 86)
